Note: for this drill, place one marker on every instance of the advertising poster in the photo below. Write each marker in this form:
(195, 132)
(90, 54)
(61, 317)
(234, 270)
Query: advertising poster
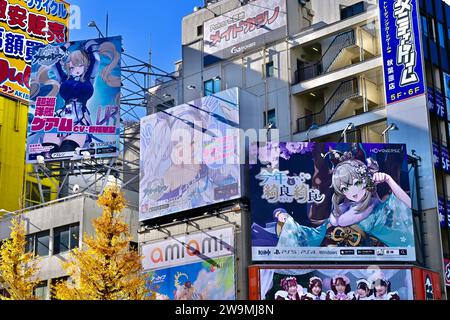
(26, 26)
(245, 28)
(190, 156)
(336, 284)
(331, 202)
(447, 271)
(75, 101)
(400, 35)
(195, 281)
(197, 266)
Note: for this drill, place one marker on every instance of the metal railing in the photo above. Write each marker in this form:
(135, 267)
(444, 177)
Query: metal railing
(340, 42)
(346, 90)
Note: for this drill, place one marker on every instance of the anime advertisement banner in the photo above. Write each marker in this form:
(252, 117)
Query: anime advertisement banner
(447, 272)
(202, 246)
(447, 93)
(245, 28)
(336, 284)
(75, 101)
(190, 156)
(26, 26)
(331, 202)
(195, 281)
(401, 46)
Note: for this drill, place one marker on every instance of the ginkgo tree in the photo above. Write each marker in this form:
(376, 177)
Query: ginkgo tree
(105, 268)
(18, 268)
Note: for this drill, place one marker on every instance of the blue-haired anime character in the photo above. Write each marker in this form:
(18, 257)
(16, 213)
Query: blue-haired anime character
(73, 77)
(359, 217)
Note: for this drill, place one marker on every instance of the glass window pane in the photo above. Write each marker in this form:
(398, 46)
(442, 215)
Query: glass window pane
(441, 35)
(424, 25)
(74, 236)
(41, 291)
(217, 86)
(209, 87)
(42, 243)
(29, 246)
(61, 240)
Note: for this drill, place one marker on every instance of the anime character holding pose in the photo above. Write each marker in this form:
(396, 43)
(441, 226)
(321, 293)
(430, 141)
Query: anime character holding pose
(340, 289)
(382, 290)
(73, 78)
(291, 290)
(363, 291)
(185, 291)
(315, 290)
(359, 217)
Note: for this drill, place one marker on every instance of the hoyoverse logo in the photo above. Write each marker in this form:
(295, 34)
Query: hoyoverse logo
(406, 50)
(48, 56)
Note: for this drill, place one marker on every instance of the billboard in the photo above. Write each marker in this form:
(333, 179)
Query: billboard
(192, 267)
(336, 284)
(401, 46)
(245, 28)
(190, 156)
(74, 108)
(331, 202)
(447, 93)
(26, 26)
(195, 281)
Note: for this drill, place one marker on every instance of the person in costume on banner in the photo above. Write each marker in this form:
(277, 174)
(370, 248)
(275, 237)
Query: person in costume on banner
(315, 290)
(340, 289)
(359, 217)
(363, 290)
(291, 290)
(381, 288)
(74, 78)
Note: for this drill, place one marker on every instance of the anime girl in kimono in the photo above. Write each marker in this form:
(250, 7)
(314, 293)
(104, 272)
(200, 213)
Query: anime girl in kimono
(359, 218)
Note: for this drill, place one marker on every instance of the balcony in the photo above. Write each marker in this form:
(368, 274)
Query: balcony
(348, 48)
(340, 101)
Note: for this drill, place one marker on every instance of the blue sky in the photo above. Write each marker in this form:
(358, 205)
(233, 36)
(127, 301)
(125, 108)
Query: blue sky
(142, 23)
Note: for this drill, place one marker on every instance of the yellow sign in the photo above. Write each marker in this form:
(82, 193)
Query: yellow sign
(25, 26)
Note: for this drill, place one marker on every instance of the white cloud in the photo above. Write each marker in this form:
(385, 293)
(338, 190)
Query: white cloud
(447, 1)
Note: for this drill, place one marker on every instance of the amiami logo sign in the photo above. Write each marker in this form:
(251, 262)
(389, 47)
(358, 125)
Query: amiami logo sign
(197, 247)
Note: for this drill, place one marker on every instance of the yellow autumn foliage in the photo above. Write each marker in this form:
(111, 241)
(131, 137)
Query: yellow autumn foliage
(105, 268)
(18, 269)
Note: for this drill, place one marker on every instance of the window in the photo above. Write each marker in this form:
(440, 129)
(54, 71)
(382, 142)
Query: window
(424, 25)
(41, 290)
(54, 282)
(199, 31)
(441, 35)
(66, 238)
(38, 243)
(212, 86)
(272, 118)
(432, 29)
(165, 105)
(353, 10)
(33, 196)
(269, 69)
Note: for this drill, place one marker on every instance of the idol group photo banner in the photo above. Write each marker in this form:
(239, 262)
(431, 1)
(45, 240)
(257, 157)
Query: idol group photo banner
(190, 156)
(336, 284)
(331, 202)
(74, 108)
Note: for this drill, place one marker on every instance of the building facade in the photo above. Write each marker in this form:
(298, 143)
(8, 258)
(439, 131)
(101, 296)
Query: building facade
(321, 77)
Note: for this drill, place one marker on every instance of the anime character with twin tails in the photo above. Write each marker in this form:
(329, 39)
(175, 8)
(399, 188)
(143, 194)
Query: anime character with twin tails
(359, 218)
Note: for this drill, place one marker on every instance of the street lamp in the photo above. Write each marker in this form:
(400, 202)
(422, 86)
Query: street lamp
(349, 127)
(385, 133)
(93, 24)
(313, 127)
